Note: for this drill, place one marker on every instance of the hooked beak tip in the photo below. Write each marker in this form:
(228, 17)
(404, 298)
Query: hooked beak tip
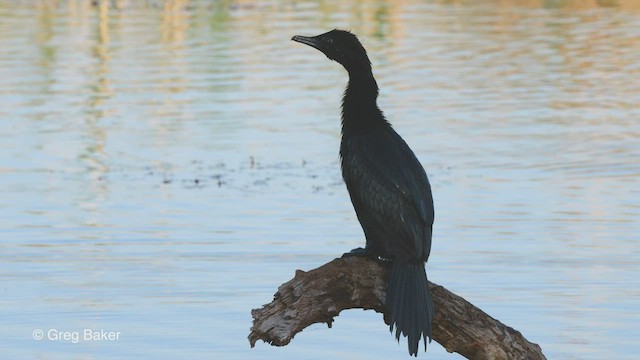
(311, 41)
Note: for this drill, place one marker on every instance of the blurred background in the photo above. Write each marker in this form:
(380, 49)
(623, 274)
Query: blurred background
(166, 165)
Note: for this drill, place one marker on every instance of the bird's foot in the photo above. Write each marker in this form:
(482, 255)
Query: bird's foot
(368, 254)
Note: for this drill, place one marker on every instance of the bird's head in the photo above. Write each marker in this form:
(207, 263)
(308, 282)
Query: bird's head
(341, 46)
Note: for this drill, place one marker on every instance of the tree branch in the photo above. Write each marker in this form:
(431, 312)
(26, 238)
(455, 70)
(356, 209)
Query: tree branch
(346, 283)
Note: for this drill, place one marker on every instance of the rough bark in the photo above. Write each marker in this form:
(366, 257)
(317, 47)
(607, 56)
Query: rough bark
(319, 295)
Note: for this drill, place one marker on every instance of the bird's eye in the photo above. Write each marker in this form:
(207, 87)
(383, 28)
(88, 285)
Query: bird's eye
(330, 41)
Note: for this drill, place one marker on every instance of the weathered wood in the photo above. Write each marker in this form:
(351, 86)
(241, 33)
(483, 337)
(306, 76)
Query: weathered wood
(321, 294)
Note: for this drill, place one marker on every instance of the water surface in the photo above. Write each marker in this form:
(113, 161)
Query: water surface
(167, 165)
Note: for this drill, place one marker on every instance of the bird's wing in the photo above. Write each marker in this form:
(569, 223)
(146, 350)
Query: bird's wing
(387, 182)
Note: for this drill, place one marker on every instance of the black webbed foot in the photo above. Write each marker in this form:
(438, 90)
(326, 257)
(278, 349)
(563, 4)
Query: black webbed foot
(368, 254)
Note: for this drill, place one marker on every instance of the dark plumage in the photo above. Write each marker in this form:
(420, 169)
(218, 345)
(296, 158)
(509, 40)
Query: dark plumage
(389, 190)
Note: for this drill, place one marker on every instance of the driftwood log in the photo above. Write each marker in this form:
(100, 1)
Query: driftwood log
(321, 294)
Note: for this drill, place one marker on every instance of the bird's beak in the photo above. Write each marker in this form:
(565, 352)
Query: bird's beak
(311, 41)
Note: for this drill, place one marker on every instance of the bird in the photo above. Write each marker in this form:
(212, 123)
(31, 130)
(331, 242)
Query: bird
(389, 190)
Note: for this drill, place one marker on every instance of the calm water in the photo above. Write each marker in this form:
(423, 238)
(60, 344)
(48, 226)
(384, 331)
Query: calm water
(167, 165)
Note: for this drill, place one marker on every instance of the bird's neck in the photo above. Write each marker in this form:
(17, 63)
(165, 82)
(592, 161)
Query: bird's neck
(360, 110)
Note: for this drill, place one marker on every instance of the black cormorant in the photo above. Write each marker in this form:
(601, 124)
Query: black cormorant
(389, 190)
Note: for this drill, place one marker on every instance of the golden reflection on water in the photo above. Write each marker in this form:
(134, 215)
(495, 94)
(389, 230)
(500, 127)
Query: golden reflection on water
(94, 155)
(174, 21)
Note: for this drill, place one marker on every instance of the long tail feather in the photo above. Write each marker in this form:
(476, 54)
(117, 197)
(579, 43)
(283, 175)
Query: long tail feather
(409, 304)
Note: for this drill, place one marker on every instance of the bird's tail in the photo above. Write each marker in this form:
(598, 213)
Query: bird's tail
(409, 305)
